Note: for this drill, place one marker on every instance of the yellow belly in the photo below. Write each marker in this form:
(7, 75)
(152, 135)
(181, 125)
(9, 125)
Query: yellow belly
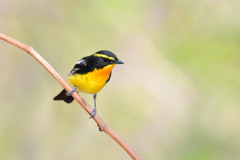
(91, 82)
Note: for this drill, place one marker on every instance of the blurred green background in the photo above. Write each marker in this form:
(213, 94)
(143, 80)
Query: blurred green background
(175, 98)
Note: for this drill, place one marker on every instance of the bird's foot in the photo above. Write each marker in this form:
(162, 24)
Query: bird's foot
(71, 92)
(93, 113)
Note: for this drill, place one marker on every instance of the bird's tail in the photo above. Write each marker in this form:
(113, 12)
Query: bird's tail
(63, 96)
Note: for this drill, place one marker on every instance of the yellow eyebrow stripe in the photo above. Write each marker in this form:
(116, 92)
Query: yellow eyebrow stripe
(103, 56)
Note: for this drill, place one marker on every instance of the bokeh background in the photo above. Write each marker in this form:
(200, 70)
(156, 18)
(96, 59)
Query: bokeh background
(175, 98)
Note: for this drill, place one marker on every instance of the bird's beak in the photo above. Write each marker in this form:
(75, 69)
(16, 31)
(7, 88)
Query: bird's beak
(119, 62)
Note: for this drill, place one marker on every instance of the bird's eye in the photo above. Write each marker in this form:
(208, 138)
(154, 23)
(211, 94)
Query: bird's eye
(105, 59)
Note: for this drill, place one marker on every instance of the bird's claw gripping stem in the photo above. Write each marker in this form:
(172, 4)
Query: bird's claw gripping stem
(93, 113)
(72, 91)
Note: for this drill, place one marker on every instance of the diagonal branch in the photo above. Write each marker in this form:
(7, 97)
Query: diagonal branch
(102, 125)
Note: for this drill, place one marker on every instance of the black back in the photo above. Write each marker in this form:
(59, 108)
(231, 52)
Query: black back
(89, 63)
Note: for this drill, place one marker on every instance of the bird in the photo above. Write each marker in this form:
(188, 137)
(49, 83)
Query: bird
(89, 75)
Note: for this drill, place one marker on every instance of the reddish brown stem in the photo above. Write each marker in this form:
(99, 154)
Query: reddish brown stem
(102, 125)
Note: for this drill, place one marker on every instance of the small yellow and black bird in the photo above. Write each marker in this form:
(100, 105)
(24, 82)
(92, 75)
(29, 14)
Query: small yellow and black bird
(90, 75)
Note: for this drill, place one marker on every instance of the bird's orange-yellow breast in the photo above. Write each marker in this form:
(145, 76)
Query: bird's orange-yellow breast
(91, 82)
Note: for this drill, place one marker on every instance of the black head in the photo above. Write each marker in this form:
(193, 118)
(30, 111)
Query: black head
(107, 57)
(107, 53)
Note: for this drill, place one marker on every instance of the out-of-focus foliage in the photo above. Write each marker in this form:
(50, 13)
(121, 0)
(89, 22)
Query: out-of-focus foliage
(175, 98)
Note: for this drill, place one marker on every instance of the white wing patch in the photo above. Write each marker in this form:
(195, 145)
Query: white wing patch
(80, 61)
(74, 70)
(79, 65)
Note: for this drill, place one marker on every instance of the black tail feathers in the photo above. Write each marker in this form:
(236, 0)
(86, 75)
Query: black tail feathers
(62, 96)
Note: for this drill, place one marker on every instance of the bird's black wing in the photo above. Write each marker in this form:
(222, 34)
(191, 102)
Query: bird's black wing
(80, 67)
